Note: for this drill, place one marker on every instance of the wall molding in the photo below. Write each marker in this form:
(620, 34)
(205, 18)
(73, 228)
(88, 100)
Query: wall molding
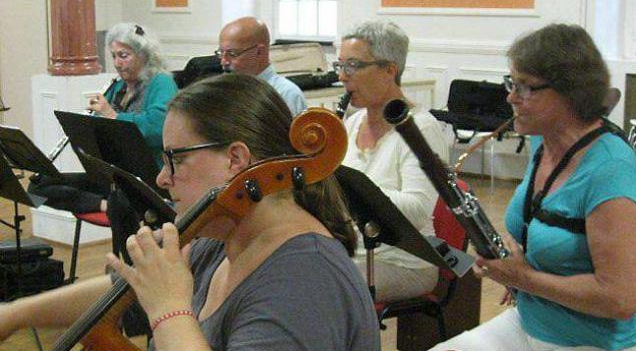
(459, 46)
(478, 71)
(436, 69)
(480, 47)
(188, 38)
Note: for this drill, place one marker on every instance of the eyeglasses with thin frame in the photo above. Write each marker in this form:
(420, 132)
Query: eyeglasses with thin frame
(524, 90)
(351, 66)
(168, 155)
(232, 53)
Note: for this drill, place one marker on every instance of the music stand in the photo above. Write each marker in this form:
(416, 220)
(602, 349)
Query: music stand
(117, 142)
(2, 106)
(10, 188)
(142, 197)
(369, 204)
(23, 154)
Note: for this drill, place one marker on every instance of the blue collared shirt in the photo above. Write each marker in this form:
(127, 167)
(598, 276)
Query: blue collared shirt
(289, 91)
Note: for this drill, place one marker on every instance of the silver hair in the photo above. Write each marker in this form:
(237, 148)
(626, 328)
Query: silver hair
(143, 43)
(387, 41)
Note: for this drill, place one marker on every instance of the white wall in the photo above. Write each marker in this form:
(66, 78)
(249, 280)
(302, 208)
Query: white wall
(444, 45)
(23, 53)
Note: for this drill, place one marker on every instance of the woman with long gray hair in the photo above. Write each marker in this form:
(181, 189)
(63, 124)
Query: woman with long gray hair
(145, 86)
(139, 95)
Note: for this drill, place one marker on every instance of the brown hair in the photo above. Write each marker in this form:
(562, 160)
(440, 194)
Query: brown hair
(565, 56)
(238, 107)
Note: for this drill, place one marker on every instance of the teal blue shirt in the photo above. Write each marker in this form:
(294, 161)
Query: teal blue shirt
(149, 110)
(607, 171)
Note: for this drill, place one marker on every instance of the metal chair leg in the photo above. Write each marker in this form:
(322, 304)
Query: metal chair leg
(441, 324)
(492, 166)
(36, 337)
(74, 252)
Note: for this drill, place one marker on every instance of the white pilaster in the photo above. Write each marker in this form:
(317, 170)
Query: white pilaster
(68, 93)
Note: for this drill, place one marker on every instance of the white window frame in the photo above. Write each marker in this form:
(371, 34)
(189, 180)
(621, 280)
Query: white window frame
(303, 37)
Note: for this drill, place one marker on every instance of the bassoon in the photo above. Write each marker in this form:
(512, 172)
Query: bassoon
(464, 205)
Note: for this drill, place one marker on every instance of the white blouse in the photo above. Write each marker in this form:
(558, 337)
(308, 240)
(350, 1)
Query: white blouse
(394, 168)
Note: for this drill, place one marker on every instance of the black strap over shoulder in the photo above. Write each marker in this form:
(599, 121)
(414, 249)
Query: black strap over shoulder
(532, 203)
(532, 207)
(574, 225)
(616, 130)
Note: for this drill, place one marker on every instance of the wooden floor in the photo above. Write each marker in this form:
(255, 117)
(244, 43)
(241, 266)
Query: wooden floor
(92, 260)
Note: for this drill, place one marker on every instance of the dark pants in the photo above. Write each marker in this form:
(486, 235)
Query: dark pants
(74, 192)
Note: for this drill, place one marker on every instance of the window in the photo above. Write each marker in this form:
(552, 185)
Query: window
(307, 19)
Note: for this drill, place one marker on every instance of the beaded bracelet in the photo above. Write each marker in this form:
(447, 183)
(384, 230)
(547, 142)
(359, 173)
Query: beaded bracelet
(169, 315)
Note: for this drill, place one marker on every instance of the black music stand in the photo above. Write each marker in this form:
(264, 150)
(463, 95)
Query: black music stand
(10, 188)
(117, 142)
(382, 222)
(2, 106)
(17, 151)
(142, 197)
(23, 154)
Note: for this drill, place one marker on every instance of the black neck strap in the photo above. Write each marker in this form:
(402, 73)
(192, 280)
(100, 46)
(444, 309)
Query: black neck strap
(533, 203)
(119, 97)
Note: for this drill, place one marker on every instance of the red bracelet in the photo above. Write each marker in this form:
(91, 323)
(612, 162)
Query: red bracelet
(169, 315)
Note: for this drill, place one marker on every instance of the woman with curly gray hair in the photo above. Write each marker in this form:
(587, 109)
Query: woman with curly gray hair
(145, 86)
(139, 95)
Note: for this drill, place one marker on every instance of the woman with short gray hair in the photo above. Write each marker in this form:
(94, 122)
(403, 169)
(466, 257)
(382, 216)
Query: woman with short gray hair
(370, 65)
(387, 43)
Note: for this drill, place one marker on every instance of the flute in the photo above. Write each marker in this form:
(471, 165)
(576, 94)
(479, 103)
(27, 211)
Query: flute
(59, 147)
(462, 158)
(105, 89)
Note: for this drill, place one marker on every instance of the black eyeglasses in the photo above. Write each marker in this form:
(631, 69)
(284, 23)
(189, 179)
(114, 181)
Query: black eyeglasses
(524, 90)
(168, 155)
(351, 66)
(231, 53)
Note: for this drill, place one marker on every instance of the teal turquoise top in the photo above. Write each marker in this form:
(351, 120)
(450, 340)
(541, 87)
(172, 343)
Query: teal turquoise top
(148, 109)
(607, 171)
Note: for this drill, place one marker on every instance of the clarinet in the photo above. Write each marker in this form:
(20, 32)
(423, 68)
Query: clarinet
(465, 206)
(343, 103)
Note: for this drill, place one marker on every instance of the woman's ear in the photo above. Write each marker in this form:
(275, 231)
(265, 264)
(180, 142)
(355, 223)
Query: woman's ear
(392, 68)
(239, 156)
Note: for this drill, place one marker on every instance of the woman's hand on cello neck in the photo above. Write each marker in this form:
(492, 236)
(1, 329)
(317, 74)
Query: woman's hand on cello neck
(161, 276)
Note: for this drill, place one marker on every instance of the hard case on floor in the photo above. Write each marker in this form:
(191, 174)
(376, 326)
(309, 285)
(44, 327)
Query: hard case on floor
(36, 276)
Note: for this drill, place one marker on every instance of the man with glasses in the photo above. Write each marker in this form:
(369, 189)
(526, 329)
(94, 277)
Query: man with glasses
(244, 48)
(370, 65)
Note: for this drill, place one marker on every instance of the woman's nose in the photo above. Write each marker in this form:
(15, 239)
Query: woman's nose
(164, 179)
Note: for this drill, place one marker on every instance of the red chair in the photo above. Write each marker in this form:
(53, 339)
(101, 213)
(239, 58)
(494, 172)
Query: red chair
(96, 218)
(432, 303)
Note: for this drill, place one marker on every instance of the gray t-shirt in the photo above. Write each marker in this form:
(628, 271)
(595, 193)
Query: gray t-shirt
(307, 295)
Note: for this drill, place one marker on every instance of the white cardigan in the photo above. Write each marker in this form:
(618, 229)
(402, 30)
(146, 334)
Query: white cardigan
(392, 166)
